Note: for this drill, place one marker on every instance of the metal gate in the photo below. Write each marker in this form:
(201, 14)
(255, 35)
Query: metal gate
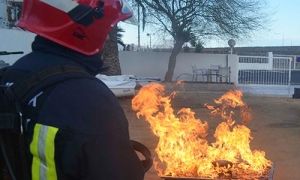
(264, 71)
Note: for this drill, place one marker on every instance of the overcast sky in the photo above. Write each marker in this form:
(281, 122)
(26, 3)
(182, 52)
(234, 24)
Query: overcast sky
(283, 29)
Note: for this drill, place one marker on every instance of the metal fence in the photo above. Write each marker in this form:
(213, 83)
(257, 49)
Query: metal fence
(256, 70)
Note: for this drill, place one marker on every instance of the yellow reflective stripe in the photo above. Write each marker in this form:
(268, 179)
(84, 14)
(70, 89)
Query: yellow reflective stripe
(35, 172)
(43, 151)
(50, 152)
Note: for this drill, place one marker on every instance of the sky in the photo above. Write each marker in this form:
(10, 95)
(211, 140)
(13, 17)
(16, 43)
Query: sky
(283, 29)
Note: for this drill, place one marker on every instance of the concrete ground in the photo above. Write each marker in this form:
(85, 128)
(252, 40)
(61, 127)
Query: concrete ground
(275, 126)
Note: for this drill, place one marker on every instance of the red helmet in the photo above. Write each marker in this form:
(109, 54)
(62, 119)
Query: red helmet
(81, 25)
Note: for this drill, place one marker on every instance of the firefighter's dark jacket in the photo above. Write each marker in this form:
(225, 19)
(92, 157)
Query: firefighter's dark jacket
(80, 131)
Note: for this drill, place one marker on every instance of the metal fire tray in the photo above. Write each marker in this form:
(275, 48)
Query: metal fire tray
(183, 178)
(266, 177)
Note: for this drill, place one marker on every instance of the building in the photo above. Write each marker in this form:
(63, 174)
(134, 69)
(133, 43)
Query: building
(10, 12)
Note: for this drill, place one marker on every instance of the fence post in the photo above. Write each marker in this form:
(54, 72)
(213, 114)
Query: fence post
(290, 77)
(270, 59)
(290, 71)
(233, 63)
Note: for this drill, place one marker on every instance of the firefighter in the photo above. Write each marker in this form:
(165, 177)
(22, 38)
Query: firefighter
(79, 131)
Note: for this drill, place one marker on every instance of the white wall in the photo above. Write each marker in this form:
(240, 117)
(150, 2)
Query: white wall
(145, 64)
(15, 40)
(185, 61)
(155, 64)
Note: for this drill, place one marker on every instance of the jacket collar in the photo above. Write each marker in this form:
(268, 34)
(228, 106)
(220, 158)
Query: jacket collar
(93, 64)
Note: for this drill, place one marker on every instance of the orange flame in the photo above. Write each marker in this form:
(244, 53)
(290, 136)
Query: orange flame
(183, 149)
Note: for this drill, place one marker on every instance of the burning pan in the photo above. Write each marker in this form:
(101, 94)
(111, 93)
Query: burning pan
(266, 177)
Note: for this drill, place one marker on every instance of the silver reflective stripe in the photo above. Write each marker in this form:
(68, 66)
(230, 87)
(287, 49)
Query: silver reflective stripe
(63, 5)
(33, 101)
(42, 152)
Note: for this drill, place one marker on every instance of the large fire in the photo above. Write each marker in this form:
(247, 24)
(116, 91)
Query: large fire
(183, 149)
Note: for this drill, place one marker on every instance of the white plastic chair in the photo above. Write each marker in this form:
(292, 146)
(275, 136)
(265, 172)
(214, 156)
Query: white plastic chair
(198, 73)
(224, 72)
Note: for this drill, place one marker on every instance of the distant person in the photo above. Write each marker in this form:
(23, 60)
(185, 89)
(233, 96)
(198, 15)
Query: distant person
(128, 48)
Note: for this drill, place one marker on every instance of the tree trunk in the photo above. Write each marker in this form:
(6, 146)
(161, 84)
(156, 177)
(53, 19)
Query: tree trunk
(172, 60)
(111, 54)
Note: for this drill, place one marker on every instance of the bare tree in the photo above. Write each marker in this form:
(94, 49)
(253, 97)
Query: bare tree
(187, 20)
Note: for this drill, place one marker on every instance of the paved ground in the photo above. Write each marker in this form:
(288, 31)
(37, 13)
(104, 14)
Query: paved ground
(275, 127)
